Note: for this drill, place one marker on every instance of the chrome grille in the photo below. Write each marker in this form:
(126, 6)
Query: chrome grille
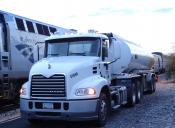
(52, 87)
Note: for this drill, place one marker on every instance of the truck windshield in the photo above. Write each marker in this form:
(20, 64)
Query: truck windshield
(84, 46)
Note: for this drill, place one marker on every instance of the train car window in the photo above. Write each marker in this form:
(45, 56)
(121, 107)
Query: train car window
(52, 30)
(30, 26)
(46, 30)
(20, 24)
(39, 28)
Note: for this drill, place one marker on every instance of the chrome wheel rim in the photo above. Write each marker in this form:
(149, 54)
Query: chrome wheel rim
(134, 97)
(103, 110)
(139, 94)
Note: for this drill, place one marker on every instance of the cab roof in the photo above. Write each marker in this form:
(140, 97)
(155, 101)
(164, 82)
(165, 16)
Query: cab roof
(57, 36)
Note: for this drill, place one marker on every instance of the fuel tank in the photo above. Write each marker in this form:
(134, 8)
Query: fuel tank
(130, 57)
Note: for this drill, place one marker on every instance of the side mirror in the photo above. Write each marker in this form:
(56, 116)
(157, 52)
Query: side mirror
(38, 51)
(104, 53)
(105, 46)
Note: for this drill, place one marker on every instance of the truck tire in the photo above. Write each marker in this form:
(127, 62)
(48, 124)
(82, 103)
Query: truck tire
(152, 85)
(139, 91)
(102, 110)
(132, 95)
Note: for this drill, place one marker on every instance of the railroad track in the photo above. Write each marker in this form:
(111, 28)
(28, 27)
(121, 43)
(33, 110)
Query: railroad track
(9, 112)
(4, 107)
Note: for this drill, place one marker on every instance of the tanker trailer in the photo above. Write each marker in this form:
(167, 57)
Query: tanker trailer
(141, 63)
(85, 77)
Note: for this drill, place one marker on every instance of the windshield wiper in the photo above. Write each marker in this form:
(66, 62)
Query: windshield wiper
(54, 54)
(77, 53)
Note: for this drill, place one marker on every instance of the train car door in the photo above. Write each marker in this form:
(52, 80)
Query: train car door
(4, 60)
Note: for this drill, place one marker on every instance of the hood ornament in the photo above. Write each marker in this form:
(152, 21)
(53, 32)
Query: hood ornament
(49, 66)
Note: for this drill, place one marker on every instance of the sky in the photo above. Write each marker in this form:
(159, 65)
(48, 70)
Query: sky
(150, 23)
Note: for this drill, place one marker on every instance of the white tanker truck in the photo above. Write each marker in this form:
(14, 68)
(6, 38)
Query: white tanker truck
(85, 77)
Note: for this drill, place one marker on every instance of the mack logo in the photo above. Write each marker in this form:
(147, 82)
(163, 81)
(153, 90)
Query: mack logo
(56, 91)
(74, 75)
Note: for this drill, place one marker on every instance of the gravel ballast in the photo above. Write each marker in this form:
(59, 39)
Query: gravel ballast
(156, 111)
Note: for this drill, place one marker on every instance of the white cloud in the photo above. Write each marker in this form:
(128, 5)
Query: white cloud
(135, 20)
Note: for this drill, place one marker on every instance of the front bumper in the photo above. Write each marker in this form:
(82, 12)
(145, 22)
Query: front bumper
(76, 110)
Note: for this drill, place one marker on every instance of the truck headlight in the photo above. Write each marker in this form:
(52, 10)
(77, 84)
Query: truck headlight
(23, 91)
(85, 91)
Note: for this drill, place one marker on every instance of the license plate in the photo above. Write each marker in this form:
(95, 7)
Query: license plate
(47, 106)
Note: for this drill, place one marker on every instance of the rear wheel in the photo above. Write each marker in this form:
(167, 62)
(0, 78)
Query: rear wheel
(152, 85)
(102, 110)
(132, 96)
(139, 92)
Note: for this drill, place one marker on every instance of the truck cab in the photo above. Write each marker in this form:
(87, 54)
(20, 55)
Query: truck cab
(67, 83)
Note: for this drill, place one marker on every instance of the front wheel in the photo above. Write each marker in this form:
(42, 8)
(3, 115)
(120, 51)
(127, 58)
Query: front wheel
(102, 110)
